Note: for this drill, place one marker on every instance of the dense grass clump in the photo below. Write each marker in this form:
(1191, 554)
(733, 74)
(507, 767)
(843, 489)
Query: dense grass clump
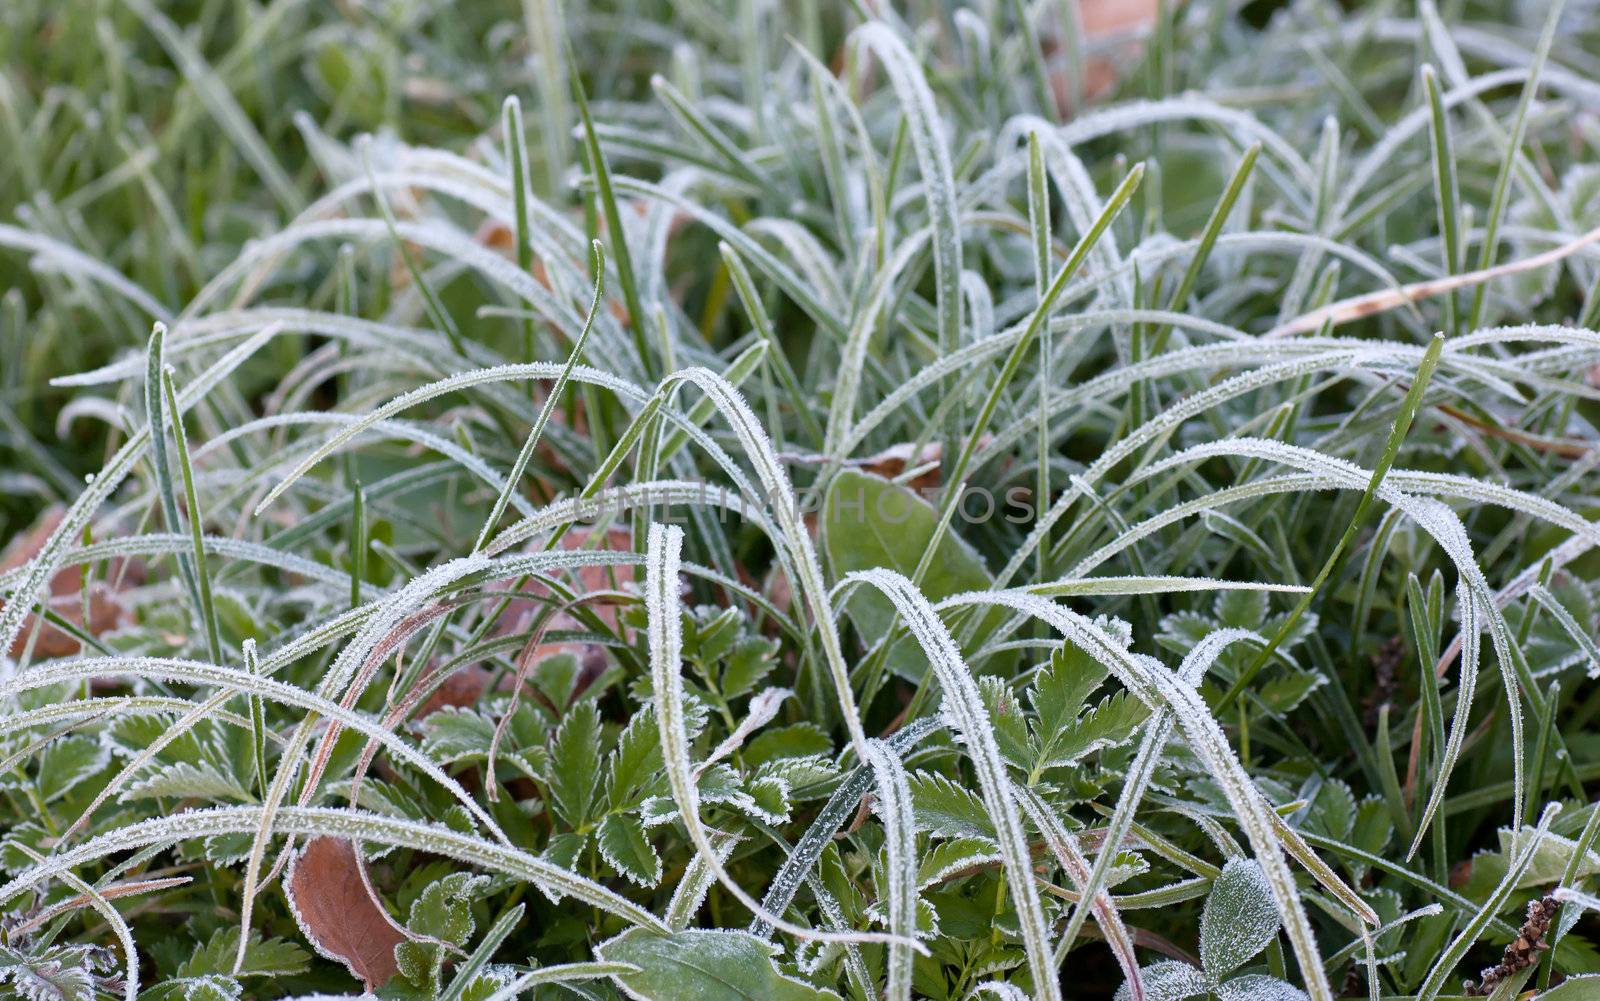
(733, 500)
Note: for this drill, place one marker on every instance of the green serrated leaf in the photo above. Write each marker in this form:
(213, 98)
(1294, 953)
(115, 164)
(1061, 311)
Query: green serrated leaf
(1112, 721)
(947, 809)
(444, 909)
(451, 734)
(1283, 692)
(953, 856)
(66, 762)
(273, 957)
(183, 780)
(575, 764)
(626, 849)
(633, 768)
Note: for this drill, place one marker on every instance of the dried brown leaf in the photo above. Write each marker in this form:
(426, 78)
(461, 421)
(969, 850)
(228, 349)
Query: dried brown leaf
(106, 611)
(338, 911)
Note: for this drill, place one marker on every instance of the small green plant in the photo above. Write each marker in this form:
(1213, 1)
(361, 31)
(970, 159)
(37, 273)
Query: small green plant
(746, 501)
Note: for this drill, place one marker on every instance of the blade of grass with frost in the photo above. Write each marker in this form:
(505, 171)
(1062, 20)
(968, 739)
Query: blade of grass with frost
(1033, 54)
(36, 744)
(214, 94)
(1039, 223)
(516, 145)
(964, 707)
(1195, 664)
(1327, 164)
(551, 401)
(835, 813)
(1569, 878)
(613, 461)
(745, 286)
(442, 387)
(696, 882)
(156, 413)
(833, 168)
(855, 356)
(93, 709)
(1425, 632)
(800, 553)
(1447, 194)
(180, 439)
(696, 123)
(1154, 585)
(1502, 180)
(561, 973)
(877, 198)
(258, 721)
(1468, 936)
(1208, 241)
(69, 259)
(893, 806)
(1446, 528)
(242, 682)
(1061, 844)
(358, 541)
(933, 160)
(738, 370)
(271, 809)
(1019, 350)
(545, 31)
(1589, 315)
(1466, 688)
(339, 822)
(619, 234)
(1158, 687)
(1408, 411)
(665, 628)
(430, 299)
(1541, 749)
(781, 274)
(180, 727)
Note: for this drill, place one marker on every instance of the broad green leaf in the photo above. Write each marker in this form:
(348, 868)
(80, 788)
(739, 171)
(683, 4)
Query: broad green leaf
(1551, 857)
(1060, 689)
(797, 740)
(953, 856)
(703, 965)
(1005, 712)
(1239, 919)
(1111, 722)
(1256, 987)
(1584, 988)
(868, 522)
(1170, 980)
(212, 988)
(1242, 609)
